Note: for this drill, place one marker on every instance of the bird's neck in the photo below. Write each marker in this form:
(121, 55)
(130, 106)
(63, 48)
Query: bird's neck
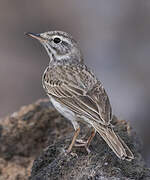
(64, 60)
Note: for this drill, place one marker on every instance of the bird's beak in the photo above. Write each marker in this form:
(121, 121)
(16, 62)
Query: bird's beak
(35, 36)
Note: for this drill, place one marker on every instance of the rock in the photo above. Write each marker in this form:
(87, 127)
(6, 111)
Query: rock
(23, 135)
(38, 132)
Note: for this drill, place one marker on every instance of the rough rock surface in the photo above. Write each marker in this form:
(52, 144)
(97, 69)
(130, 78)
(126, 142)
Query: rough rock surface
(38, 132)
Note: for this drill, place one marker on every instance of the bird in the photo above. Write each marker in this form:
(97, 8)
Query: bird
(76, 92)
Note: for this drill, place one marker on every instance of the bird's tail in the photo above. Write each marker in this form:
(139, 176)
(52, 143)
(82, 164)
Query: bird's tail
(114, 142)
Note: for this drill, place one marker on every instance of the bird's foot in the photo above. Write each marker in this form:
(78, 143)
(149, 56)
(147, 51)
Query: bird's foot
(71, 153)
(82, 143)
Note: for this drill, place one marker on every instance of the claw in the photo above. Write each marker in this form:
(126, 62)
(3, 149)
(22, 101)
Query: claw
(74, 154)
(87, 149)
(68, 151)
(71, 153)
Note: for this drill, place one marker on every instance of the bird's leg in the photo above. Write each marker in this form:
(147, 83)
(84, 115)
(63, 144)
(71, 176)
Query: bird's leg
(74, 139)
(86, 143)
(91, 137)
(82, 142)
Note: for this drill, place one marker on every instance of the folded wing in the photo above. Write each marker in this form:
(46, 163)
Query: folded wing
(77, 88)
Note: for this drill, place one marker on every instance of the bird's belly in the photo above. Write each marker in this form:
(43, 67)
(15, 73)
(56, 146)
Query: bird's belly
(63, 110)
(70, 115)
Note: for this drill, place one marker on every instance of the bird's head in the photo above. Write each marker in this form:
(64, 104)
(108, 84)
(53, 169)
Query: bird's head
(60, 46)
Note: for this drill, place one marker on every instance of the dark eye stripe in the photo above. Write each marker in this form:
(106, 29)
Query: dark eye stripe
(65, 43)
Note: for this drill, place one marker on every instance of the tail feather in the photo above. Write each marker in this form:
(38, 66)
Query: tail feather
(114, 142)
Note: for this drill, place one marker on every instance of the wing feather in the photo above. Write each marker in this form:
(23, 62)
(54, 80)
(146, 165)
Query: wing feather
(78, 89)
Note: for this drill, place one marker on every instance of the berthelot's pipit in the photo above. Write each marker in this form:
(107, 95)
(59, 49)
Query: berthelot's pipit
(76, 92)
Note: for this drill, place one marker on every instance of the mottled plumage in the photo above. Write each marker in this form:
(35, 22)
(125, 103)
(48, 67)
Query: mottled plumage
(76, 87)
(76, 93)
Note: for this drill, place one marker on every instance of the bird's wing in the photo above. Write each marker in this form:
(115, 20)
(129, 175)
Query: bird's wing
(77, 88)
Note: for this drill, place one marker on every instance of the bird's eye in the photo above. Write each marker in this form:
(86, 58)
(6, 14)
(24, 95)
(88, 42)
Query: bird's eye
(57, 40)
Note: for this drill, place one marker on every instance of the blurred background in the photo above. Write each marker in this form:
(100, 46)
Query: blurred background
(114, 37)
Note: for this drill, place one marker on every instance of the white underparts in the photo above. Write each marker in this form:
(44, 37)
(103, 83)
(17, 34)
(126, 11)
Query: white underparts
(65, 112)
